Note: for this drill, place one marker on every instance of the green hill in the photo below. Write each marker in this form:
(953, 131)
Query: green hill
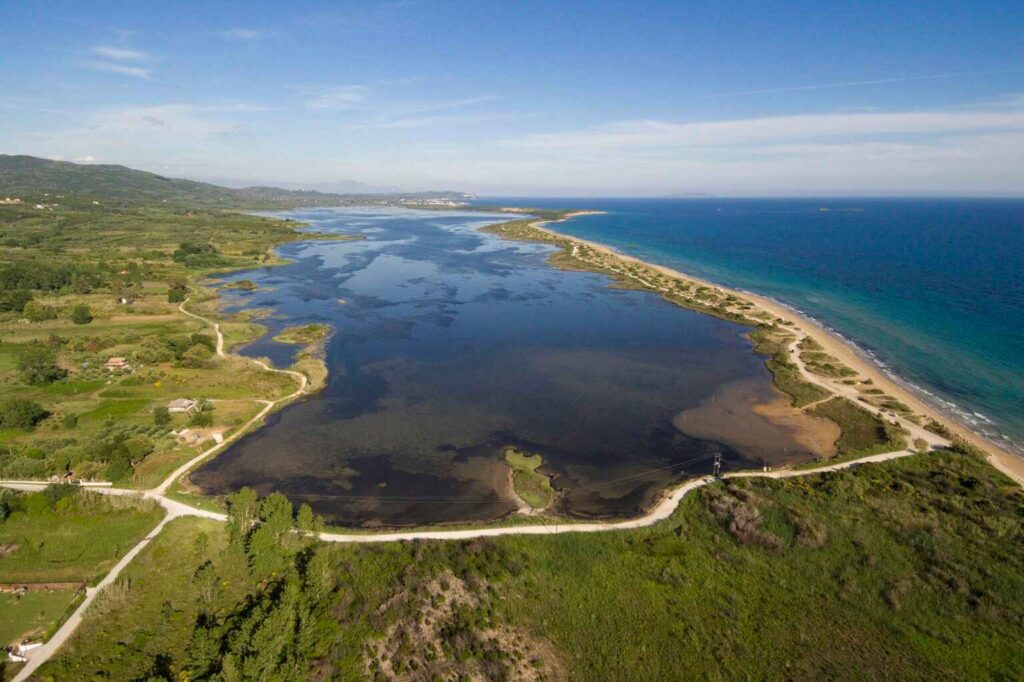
(31, 176)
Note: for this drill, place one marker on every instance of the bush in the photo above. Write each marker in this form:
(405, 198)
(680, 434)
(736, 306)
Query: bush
(38, 367)
(21, 413)
(81, 314)
(175, 295)
(70, 421)
(14, 301)
(196, 357)
(161, 416)
(37, 312)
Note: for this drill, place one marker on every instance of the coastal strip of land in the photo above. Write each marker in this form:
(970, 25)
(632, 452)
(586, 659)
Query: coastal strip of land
(821, 358)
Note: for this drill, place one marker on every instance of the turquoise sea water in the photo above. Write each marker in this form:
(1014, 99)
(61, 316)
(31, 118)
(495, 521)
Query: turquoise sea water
(933, 289)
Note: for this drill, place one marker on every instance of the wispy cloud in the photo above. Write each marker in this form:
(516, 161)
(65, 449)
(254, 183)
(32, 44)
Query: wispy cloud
(419, 114)
(119, 53)
(666, 134)
(123, 69)
(242, 34)
(859, 83)
(333, 97)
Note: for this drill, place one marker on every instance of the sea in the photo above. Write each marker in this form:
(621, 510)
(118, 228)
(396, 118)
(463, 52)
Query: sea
(930, 289)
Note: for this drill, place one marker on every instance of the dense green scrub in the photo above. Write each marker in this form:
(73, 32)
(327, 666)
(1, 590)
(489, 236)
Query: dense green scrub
(911, 569)
(861, 432)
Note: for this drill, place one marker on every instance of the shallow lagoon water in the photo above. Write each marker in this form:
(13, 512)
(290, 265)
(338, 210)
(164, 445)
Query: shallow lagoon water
(449, 345)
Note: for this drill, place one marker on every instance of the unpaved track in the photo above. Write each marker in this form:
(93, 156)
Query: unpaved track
(662, 510)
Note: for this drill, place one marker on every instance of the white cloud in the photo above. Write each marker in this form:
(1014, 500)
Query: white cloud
(242, 34)
(120, 53)
(627, 135)
(333, 97)
(861, 83)
(123, 69)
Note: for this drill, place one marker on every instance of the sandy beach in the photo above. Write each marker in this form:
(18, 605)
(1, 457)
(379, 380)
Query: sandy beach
(1006, 462)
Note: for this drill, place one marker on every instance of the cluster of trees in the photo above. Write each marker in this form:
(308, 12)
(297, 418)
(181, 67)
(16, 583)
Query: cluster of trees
(51, 498)
(193, 351)
(111, 453)
(268, 531)
(47, 276)
(195, 254)
(177, 290)
(21, 413)
(281, 630)
(37, 365)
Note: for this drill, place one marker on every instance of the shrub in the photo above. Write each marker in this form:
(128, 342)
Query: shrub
(161, 416)
(81, 314)
(37, 312)
(14, 301)
(196, 357)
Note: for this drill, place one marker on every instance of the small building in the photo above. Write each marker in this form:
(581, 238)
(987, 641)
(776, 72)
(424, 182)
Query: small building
(117, 363)
(182, 406)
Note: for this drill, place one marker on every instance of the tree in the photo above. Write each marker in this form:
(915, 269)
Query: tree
(276, 514)
(207, 583)
(21, 413)
(307, 522)
(175, 295)
(81, 314)
(38, 366)
(265, 545)
(14, 301)
(161, 415)
(35, 311)
(243, 512)
(319, 574)
(196, 357)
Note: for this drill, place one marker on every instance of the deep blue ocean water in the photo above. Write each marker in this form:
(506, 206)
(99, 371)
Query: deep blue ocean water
(932, 288)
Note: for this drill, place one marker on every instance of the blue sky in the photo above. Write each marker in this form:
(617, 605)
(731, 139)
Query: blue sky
(529, 98)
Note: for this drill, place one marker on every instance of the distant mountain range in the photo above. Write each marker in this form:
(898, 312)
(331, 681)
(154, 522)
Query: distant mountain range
(34, 176)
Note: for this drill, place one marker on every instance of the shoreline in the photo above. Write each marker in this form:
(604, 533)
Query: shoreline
(845, 351)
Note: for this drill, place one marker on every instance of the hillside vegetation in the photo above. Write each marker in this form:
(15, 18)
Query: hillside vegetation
(912, 569)
(38, 177)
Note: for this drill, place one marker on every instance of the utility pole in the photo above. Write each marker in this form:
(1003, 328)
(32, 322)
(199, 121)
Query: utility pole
(718, 465)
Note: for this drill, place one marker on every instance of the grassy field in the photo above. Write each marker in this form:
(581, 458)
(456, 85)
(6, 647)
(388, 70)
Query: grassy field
(861, 432)
(912, 569)
(33, 613)
(76, 537)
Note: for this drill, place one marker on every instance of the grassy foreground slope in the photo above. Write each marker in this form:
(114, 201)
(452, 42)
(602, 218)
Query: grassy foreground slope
(912, 569)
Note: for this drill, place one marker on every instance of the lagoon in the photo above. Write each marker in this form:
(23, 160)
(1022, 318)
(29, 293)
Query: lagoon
(450, 345)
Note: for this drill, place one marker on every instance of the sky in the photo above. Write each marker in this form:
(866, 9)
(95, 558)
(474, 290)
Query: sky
(528, 98)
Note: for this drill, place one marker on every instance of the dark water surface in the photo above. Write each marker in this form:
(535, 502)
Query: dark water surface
(932, 288)
(450, 345)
